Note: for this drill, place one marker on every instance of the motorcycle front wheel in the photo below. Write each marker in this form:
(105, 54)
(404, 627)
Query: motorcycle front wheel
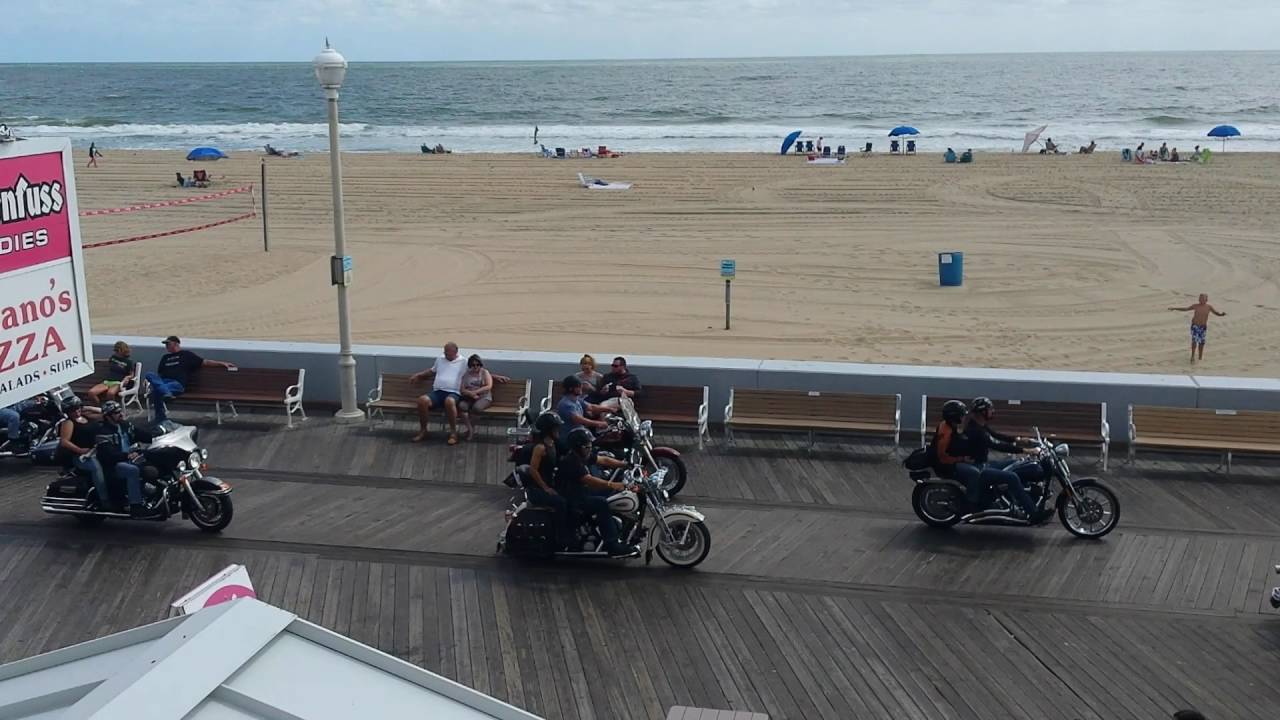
(214, 513)
(1094, 514)
(936, 504)
(677, 474)
(690, 542)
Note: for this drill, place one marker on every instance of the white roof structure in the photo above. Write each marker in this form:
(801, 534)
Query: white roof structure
(240, 660)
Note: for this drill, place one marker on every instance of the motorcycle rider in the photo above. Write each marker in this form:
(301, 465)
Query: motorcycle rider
(76, 436)
(573, 409)
(11, 419)
(981, 438)
(117, 456)
(587, 493)
(542, 461)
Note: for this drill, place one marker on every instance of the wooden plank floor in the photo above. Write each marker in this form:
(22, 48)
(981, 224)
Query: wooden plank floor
(823, 596)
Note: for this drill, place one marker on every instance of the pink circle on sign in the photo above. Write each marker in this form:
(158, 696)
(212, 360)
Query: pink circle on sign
(227, 593)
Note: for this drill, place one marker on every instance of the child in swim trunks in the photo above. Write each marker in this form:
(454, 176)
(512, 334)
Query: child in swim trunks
(1199, 323)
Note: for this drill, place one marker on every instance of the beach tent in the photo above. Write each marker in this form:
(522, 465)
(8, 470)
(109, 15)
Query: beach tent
(1224, 132)
(1030, 138)
(205, 154)
(903, 130)
(789, 140)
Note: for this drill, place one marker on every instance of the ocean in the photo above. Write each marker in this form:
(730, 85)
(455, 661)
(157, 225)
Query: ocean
(964, 101)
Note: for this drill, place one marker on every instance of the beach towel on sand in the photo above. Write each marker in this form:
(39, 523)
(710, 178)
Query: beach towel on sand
(597, 184)
(825, 161)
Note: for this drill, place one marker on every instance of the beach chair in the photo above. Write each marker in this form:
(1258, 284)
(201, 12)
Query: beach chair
(911, 147)
(799, 147)
(826, 151)
(866, 150)
(1126, 155)
(808, 146)
(840, 153)
(1205, 156)
(894, 148)
(560, 153)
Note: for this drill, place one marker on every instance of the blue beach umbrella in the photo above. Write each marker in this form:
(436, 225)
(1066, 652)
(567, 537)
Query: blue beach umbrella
(1224, 132)
(788, 141)
(903, 130)
(205, 154)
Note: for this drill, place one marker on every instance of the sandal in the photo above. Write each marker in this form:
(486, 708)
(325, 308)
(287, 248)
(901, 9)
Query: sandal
(453, 439)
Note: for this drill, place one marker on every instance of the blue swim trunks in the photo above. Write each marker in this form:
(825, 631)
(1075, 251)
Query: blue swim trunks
(1197, 334)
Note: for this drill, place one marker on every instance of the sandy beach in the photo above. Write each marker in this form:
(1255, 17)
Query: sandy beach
(1070, 261)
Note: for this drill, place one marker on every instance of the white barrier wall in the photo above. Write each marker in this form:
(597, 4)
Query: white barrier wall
(721, 374)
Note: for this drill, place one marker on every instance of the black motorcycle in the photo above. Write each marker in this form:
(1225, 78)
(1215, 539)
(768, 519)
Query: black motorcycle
(1086, 507)
(37, 428)
(631, 438)
(173, 483)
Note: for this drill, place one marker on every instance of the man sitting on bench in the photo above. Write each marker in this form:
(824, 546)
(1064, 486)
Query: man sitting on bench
(174, 374)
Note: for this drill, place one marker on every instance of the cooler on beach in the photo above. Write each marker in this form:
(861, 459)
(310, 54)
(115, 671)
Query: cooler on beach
(951, 269)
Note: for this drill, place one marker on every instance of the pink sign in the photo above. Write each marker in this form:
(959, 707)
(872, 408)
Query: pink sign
(34, 213)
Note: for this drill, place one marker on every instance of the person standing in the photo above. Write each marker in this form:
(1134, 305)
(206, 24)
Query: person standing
(535, 135)
(1199, 323)
(93, 155)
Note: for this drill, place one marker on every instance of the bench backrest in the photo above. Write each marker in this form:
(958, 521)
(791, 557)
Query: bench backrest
(1019, 417)
(806, 405)
(1257, 426)
(653, 400)
(396, 387)
(213, 380)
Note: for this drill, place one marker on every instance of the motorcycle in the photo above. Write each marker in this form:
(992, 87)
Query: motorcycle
(1086, 507)
(173, 483)
(645, 517)
(38, 428)
(1275, 594)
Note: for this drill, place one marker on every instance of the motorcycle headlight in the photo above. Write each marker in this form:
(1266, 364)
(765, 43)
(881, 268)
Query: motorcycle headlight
(646, 428)
(182, 466)
(204, 454)
(195, 458)
(1062, 450)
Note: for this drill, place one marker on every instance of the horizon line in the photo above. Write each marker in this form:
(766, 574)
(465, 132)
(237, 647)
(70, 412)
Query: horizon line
(659, 59)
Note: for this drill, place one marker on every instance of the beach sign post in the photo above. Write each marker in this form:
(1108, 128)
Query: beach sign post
(44, 307)
(728, 271)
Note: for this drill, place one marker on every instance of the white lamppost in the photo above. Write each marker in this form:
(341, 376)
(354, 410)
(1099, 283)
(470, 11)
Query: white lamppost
(331, 68)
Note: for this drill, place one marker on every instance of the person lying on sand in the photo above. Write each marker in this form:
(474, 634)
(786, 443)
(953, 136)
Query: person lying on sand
(1199, 323)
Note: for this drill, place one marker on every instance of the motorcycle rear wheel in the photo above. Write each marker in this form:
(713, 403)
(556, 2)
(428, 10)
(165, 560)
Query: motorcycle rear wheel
(1098, 513)
(693, 542)
(935, 504)
(214, 513)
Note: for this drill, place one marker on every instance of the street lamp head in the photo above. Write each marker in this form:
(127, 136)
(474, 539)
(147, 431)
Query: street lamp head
(330, 68)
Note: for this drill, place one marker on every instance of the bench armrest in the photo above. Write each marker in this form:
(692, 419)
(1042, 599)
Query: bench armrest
(1133, 431)
(375, 394)
(293, 393)
(1106, 426)
(728, 412)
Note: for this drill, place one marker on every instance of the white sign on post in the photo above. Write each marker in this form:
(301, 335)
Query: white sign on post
(231, 583)
(44, 309)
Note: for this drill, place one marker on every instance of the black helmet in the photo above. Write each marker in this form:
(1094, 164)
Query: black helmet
(980, 405)
(548, 423)
(570, 384)
(579, 437)
(954, 411)
(72, 403)
(111, 407)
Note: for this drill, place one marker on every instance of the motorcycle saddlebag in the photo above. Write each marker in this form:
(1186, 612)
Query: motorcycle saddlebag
(532, 532)
(45, 453)
(68, 486)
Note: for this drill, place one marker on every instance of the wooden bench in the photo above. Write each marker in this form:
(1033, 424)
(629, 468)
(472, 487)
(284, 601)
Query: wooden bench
(396, 394)
(669, 404)
(1206, 429)
(813, 411)
(129, 395)
(1073, 422)
(682, 712)
(264, 387)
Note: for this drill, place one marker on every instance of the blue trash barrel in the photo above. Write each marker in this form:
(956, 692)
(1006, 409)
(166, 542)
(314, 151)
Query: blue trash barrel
(951, 269)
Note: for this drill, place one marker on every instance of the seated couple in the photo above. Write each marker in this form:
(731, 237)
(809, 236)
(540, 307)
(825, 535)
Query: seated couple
(459, 387)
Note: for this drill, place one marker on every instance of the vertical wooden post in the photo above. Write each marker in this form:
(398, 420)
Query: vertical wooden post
(266, 245)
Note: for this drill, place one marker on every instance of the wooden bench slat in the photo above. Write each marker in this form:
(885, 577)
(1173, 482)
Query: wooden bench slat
(804, 410)
(1246, 431)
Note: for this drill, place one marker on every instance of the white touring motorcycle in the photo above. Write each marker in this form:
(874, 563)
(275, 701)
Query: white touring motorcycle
(645, 518)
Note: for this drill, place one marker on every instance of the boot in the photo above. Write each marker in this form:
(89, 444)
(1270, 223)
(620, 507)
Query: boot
(138, 511)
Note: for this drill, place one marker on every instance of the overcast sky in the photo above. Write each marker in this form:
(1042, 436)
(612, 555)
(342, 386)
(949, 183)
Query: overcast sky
(247, 30)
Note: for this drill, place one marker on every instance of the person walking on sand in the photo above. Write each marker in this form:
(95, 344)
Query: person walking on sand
(93, 155)
(1199, 323)
(535, 134)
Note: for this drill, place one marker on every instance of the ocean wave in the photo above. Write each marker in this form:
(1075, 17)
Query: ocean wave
(1167, 120)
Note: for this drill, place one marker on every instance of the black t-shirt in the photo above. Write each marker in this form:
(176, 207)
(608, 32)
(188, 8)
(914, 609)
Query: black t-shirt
(569, 472)
(118, 367)
(179, 366)
(612, 382)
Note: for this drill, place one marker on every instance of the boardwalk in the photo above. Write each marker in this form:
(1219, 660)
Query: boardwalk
(823, 596)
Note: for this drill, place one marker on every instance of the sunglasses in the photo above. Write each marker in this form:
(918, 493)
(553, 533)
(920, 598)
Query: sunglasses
(617, 365)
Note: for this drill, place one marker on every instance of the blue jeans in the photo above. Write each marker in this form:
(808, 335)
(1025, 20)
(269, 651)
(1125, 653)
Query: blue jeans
(991, 475)
(91, 467)
(971, 477)
(597, 508)
(564, 523)
(132, 475)
(161, 390)
(12, 421)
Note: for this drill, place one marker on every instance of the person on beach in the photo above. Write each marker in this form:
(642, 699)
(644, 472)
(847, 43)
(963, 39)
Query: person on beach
(93, 155)
(1199, 323)
(535, 134)
(445, 392)
(1164, 151)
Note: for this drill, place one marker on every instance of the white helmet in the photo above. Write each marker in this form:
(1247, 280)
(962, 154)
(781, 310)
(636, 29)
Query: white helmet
(624, 502)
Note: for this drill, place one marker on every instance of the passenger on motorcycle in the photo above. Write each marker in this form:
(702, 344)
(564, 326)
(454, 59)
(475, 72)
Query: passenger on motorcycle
(948, 452)
(573, 409)
(542, 461)
(981, 438)
(117, 456)
(76, 436)
(587, 493)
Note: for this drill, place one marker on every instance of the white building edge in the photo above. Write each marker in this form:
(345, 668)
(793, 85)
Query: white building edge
(239, 660)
